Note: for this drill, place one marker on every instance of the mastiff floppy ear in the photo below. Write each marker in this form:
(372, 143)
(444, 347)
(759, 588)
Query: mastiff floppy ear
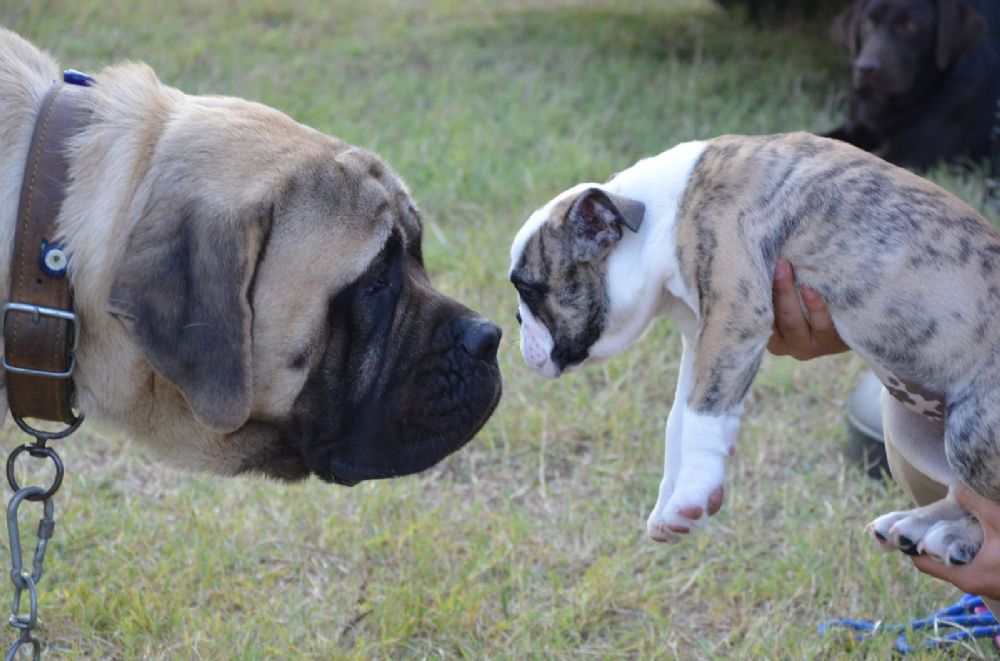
(596, 218)
(182, 291)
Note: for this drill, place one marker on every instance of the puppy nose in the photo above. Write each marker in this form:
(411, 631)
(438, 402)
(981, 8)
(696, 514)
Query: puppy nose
(481, 339)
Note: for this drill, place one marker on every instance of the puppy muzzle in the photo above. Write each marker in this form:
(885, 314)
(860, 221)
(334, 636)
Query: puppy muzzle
(537, 345)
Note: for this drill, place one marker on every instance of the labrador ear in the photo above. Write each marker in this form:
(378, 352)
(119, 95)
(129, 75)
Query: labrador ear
(182, 292)
(844, 28)
(959, 27)
(596, 217)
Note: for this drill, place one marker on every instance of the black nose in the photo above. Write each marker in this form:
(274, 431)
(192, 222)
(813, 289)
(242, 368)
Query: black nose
(481, 338)
(866, 70)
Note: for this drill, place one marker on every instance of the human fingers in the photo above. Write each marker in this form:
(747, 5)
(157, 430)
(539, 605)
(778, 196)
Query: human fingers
(791, 327)
(825, 338)
(985, 510)
(977, 577)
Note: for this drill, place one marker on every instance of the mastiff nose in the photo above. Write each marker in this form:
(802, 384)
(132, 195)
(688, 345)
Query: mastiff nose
(480, 338)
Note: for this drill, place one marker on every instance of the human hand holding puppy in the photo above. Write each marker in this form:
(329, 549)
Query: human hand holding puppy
(795, 334)
(809, 337)
(982, 575)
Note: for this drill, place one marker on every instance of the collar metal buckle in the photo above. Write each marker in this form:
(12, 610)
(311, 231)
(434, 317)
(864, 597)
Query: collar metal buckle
(38, 311)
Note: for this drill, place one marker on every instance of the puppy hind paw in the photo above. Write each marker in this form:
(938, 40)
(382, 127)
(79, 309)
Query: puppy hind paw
(953, 542)
(880, 530)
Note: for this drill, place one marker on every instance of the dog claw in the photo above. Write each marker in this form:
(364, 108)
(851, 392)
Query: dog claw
(907, 546)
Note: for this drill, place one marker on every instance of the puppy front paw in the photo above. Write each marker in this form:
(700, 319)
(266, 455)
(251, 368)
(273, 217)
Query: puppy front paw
(681, 514)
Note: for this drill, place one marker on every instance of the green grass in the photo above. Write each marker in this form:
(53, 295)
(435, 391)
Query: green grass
(528, 543)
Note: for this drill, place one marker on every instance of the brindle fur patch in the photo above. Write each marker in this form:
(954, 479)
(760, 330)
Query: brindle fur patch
(909, 273)
(568, 296)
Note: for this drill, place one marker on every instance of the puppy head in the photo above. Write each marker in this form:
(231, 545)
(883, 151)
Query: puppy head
(559, 266)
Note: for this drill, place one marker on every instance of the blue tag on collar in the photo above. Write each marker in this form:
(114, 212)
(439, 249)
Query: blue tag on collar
(53, 260)
(74, 77)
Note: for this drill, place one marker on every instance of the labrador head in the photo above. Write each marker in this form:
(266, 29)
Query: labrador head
(897, 46)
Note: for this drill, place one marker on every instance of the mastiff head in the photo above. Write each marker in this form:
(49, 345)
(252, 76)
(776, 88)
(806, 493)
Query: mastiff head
(253, 292)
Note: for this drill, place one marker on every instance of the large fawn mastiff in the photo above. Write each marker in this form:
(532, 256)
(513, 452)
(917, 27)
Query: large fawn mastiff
(911, 276)
(252, 293)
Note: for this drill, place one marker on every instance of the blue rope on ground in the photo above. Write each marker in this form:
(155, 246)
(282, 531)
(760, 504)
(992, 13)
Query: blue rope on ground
(969, 615)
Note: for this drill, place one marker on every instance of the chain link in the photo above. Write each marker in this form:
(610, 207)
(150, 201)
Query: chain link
(23, 582)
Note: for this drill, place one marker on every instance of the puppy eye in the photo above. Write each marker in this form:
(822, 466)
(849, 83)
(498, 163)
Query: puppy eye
(529, 295)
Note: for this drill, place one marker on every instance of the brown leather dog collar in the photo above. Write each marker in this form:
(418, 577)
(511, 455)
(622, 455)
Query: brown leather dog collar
(40, 326)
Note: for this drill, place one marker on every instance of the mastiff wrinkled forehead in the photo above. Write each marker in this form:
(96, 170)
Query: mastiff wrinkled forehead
(559, 268)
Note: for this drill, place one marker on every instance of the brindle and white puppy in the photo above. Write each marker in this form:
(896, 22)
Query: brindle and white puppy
(911, 276)
(252, 292)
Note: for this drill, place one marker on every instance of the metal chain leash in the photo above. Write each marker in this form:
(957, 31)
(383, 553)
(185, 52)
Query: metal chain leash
(23, 581)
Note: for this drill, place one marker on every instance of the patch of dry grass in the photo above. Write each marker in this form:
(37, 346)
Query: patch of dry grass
(528, 543)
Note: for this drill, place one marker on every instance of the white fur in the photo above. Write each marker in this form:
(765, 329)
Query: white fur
(537, 344)
(643, 278)
(644, 281)
(697, 446)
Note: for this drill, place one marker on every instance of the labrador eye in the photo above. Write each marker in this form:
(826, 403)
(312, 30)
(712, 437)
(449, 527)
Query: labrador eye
(375, 286)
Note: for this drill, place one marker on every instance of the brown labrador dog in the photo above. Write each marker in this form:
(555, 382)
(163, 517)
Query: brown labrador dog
(925, 80)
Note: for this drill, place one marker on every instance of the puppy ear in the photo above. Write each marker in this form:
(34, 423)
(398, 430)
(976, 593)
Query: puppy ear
(182, 292)
(595, 219)
(959, 27)
(844, 28)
